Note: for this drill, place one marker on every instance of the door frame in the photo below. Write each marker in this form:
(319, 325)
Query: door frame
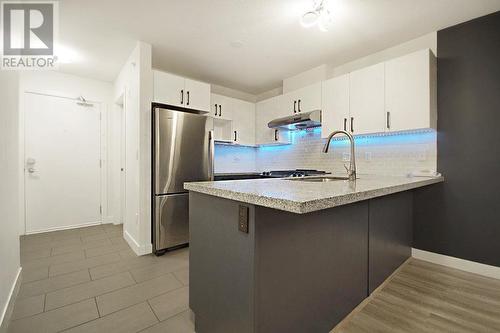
(103, 112)
(121, 105)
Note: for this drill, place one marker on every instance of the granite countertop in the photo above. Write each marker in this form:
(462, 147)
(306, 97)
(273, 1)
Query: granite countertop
(304, 197)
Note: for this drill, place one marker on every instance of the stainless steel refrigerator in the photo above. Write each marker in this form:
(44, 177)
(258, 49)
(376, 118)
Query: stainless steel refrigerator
(183, 151)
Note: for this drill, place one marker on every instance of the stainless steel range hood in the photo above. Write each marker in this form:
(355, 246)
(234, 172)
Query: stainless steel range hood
(298, 121)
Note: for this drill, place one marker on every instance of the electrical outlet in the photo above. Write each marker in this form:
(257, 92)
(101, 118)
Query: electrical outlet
(243, 219)
(346, 157)
(368, 156)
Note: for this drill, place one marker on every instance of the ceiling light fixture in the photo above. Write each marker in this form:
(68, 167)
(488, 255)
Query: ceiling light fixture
(319, 15)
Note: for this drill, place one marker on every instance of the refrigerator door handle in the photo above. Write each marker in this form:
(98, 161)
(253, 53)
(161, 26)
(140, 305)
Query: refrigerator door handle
(211, 155)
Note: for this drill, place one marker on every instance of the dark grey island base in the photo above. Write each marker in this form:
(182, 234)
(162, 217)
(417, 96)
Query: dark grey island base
(291, 272)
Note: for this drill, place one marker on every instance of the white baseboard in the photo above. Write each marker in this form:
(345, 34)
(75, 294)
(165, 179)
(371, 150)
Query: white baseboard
(73, 226)
(462, 264)
(135, 246)
(9, 305)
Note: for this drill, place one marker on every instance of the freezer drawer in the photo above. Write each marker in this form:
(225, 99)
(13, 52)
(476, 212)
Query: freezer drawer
(171, 221)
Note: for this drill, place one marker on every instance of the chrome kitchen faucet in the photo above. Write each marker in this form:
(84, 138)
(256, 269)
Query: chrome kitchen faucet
(351, 172)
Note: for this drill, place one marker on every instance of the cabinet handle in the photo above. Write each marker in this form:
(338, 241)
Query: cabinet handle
(388, 120)
(352, 124)
(294, 106)
(345, 124)
(187, 98)
(299, 105)
(182, 96)
(220, 110)
(276, 135)
(235, 136)
(216, 109)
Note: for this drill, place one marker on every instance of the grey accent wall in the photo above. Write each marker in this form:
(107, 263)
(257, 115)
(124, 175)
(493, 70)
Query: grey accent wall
(461, 217)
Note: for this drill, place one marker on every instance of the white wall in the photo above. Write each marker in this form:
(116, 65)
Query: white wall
(306, 78)
(135, 82)
(71, 86)
(9, 190)
(428, 41)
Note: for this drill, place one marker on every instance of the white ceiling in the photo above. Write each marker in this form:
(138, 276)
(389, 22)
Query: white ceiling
(194, 37)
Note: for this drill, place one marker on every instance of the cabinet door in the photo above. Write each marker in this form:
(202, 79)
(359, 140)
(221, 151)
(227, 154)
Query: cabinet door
(335, 105)
(266, 111)
(409, 91)
(288, 104)
(224, 106)
(366, 98)
(168, 88)
(197, 95)
(243, 122)
(309, 98)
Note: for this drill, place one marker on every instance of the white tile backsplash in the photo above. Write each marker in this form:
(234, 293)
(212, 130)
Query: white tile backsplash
(234, 159)
(395, 154)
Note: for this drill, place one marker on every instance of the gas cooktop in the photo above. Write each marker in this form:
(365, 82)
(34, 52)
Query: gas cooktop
(293, 173)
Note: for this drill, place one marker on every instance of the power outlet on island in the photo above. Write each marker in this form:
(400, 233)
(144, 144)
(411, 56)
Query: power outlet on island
(243, 219)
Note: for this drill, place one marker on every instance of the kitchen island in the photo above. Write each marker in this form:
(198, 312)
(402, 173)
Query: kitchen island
(283, 255)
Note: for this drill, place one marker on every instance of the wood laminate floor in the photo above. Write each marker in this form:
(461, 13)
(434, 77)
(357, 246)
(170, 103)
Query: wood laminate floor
(425, 297)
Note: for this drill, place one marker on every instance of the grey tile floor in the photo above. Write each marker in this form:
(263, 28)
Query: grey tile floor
(88, 280)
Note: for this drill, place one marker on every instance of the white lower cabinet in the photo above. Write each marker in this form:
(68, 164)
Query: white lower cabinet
(266, 111)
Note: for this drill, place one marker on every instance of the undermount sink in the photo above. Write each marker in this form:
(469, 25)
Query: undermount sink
(316, 179)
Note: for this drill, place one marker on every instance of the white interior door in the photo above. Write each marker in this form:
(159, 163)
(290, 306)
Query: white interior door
(62, 156)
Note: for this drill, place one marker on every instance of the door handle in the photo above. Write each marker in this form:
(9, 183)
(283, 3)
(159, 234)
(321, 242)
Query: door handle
(215, 109)
(298, 104)
(352, 124)
(182, 96)
(220, 110)
(211, 155)
(345, 124)
(294, 106)
(187, 98)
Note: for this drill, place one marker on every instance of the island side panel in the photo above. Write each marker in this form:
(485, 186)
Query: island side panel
(221, 261)
(390, 240)
(311, 269)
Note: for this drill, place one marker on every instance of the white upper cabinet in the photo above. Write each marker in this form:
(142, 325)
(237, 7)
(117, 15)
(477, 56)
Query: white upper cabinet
(302, 100)
(168, 88)
(197, 95)
(335, 105)
(366, 99)
(243, 122)
(266, 111)
(410, 92)
(221, 107)
(178, 91)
